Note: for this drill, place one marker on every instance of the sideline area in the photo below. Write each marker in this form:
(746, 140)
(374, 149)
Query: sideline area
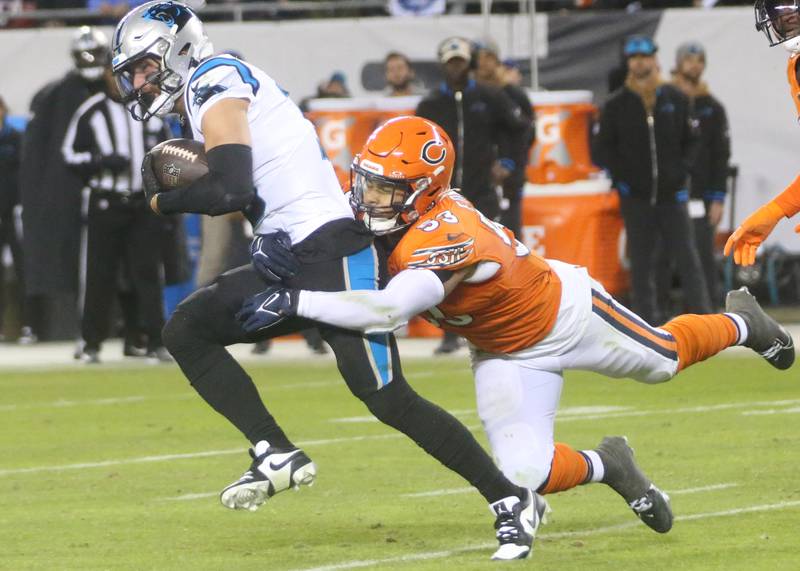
(60, 354)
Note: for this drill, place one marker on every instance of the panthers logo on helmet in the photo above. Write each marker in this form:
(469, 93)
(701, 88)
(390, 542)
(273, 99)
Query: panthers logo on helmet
(168, 13)
(434, 152)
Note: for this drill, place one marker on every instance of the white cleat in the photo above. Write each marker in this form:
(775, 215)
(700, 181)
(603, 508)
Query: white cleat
(516, 524)
(273, 470)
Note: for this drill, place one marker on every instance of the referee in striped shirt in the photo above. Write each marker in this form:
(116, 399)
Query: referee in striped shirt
(106, 146)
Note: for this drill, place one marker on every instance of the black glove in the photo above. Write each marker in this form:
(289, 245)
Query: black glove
(272, 256)
(149, 181)
(268, 309)
(113, 162)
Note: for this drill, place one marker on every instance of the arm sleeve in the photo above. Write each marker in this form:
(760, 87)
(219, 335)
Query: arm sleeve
(227, 187)
(375, 311)
(789, 199)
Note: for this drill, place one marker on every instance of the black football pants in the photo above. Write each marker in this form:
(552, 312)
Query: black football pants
(120, 229)
(644, 225)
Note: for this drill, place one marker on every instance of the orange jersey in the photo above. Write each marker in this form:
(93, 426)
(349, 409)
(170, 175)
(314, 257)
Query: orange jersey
(514, 309)
(794, 85)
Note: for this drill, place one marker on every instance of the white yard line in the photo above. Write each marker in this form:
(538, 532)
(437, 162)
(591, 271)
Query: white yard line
(793, 410)
(566, 413)
(186, 497)
(560, 535)
(372, 419)
(71, 403)
(571, 414)
(177, 396)
(453, 491)
(682, 410)
(433, 493)
(188, 455)
(710, 488)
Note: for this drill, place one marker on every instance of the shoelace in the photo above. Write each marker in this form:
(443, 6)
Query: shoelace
(774, 349)
(641, 505)
(507, 528)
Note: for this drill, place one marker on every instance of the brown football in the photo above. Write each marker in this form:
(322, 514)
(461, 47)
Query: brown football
(178, 162)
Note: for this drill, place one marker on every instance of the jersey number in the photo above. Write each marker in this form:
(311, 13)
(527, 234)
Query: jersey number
(435, 316)
(433, 224)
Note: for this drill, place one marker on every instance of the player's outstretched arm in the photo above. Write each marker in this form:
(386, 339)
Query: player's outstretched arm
(375, 311)
(754, 230)
(228, 185)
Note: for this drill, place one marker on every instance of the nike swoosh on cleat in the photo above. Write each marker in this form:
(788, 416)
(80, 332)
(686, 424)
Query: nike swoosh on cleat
(276, 467)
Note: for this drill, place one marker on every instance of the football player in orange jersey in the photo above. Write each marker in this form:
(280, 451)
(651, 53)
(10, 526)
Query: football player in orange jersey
(780, 22)
(527, 319)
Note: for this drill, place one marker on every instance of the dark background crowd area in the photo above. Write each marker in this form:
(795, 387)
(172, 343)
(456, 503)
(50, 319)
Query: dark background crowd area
(37, 13)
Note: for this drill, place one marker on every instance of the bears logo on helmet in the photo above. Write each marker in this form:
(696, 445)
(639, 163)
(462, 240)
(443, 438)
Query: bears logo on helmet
(434, 152)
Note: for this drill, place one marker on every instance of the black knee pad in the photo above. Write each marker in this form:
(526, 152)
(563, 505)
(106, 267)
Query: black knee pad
(392, 402)
(177, 333)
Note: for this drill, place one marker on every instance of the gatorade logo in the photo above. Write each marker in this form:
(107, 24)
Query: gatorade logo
(434, 152)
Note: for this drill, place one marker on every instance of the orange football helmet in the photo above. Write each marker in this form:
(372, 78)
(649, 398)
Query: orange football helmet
(404, 165)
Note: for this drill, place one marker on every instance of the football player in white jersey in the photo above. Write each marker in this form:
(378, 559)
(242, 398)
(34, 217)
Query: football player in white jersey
(256, 138)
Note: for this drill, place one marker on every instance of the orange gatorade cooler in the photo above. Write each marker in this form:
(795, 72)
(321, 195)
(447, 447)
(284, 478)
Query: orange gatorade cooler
(561, 151)
(343, 125)
(578, 223)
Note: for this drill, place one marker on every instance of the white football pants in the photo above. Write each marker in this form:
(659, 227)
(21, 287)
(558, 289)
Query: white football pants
(518, 394)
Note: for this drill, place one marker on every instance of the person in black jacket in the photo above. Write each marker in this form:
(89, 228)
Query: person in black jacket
(484, 124)
(490, 71)
(644, 139)
(485, 127)
(709, 169)
(50, 191)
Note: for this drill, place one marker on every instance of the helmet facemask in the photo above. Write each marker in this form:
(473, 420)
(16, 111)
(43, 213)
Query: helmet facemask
(780, 22)
(142, 104)
(384, 204)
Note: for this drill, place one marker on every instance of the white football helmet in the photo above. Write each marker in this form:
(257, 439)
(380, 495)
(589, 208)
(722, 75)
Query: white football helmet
(170, 34)
(780, 22)
(90, 52)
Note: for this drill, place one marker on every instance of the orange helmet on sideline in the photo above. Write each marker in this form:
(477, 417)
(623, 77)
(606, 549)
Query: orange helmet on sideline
(408, 158)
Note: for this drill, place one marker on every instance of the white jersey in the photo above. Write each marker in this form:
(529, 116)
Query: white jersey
(291, 173)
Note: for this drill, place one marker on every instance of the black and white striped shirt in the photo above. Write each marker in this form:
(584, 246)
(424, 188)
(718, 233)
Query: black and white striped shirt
(103, 127)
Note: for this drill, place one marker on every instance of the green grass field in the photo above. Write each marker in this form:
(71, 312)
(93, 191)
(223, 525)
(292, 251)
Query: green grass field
(118, 468)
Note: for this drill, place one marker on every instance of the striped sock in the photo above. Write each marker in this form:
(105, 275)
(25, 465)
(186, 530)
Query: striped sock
(741, 326)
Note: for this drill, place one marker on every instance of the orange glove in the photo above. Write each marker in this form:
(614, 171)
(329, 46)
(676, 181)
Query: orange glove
(752, 232)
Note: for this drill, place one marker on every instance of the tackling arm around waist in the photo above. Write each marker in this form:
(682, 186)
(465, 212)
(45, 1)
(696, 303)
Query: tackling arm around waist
(374, 311)
(409, 293)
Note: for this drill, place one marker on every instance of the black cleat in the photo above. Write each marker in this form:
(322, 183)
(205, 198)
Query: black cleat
(273, 470)
(449, 344)
(650, 504)
(765, 335)
(516, 523)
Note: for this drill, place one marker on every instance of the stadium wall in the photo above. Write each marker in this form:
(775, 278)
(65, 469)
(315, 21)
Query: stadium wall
(576, 52)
